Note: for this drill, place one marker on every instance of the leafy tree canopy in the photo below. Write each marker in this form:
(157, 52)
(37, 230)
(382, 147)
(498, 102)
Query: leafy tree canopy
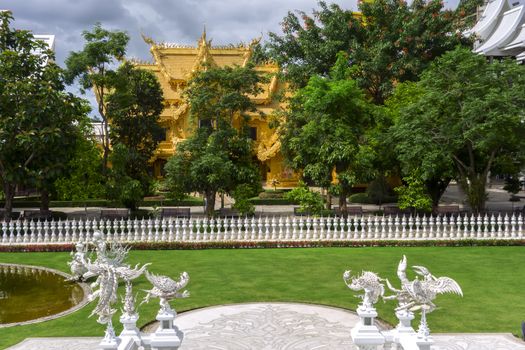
(94, 68)
(325, 130)
(468, 114)
(389, 41)
(83, 179)
(38, 119)
(133, 108)
(217, 156)
(310, 43)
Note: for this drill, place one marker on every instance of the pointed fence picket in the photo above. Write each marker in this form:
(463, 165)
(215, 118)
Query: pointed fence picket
(304, 228)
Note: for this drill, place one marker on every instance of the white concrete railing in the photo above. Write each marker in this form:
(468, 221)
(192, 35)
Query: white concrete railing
(269, 229)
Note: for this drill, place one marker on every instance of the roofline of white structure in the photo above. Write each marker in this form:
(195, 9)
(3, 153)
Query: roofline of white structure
(489, 19)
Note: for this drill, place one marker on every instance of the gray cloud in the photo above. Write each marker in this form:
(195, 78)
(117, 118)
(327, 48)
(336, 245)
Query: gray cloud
(179, 21)
(227, 21)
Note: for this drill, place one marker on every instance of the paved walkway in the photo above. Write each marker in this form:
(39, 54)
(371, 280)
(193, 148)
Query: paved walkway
(276, 326)
(498, 199)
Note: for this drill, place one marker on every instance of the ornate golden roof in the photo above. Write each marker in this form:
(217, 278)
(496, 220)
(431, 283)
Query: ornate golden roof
(204, 58)
(174, 65)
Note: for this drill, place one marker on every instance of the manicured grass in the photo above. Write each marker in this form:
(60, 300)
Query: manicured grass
(491, 277)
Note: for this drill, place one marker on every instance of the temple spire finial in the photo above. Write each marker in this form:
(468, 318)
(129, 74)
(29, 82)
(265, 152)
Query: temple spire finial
(204, 57)
(202, 40)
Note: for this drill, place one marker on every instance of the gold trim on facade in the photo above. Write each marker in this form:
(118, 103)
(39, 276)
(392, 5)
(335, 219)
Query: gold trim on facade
(175, 64)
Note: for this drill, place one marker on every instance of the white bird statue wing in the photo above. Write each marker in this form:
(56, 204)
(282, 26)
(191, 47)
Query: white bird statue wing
(166, 284)
(92, 270)
(128, 274)
(401, 270)
(443, 285)
(416, 290)
(107, 295)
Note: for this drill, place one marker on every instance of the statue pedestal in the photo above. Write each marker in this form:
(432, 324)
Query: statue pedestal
(110, 341)
(424, 343)
(108, 345)
(405, 335)
(130, 326)
(404, 327)
(366, 335)
(166, 337)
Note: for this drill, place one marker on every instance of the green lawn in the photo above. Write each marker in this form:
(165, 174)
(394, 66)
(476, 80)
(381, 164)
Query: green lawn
(491, 277)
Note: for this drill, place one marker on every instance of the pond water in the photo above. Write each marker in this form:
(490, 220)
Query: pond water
(28, 293)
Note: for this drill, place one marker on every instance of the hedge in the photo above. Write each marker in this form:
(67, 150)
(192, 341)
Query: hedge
(104, 203)
(270, 201)
(273, 244)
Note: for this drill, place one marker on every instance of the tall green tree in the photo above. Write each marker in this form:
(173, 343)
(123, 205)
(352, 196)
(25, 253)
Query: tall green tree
(398, 40)
(37, 117)
(217, 156)
(121, 186)
(389, 41)
(325, 130)
(467, 117)
(309, 44)
(94, 68)
(435, 171)
(67, 116)
(83, 179)
(133, 109)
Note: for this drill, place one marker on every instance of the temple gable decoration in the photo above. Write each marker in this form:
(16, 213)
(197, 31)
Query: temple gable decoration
(174, 65)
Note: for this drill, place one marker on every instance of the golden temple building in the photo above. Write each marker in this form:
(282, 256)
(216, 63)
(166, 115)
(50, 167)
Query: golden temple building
(175, 64)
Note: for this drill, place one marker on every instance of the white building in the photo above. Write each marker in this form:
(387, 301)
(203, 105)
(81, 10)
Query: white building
(48, 39)
(501, 29)
(98, 131)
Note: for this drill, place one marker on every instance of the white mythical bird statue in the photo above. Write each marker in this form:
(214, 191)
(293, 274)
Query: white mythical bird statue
(107, 283)
(108, 266)
(419, 294)
(113, 254)
(367, 281)
(78, 262)
(166, 289)
(128, 274)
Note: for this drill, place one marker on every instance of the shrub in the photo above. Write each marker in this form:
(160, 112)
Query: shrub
(127, 191)
(512, 185)
(310, 202)
(241, 195)
(359, 198)
(271, 194)
(379, 192)
(414, 195)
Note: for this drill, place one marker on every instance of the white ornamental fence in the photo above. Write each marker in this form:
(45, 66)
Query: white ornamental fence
(489, 226)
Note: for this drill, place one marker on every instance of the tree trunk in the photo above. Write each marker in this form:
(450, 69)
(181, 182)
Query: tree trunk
(100, 96)
(436, 188)
(210, 203)
(105, 146)
(328, 200)
(474, 186)
(44, 200)
(342, 204)
(9, 193)
(477, 195)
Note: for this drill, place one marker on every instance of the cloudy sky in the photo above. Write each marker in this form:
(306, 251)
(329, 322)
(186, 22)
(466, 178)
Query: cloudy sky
(178, 21)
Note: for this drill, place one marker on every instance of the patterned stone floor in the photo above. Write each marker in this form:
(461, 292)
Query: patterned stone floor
(276, 326)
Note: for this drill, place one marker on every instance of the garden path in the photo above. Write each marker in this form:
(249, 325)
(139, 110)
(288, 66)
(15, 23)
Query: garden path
(275, 326)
